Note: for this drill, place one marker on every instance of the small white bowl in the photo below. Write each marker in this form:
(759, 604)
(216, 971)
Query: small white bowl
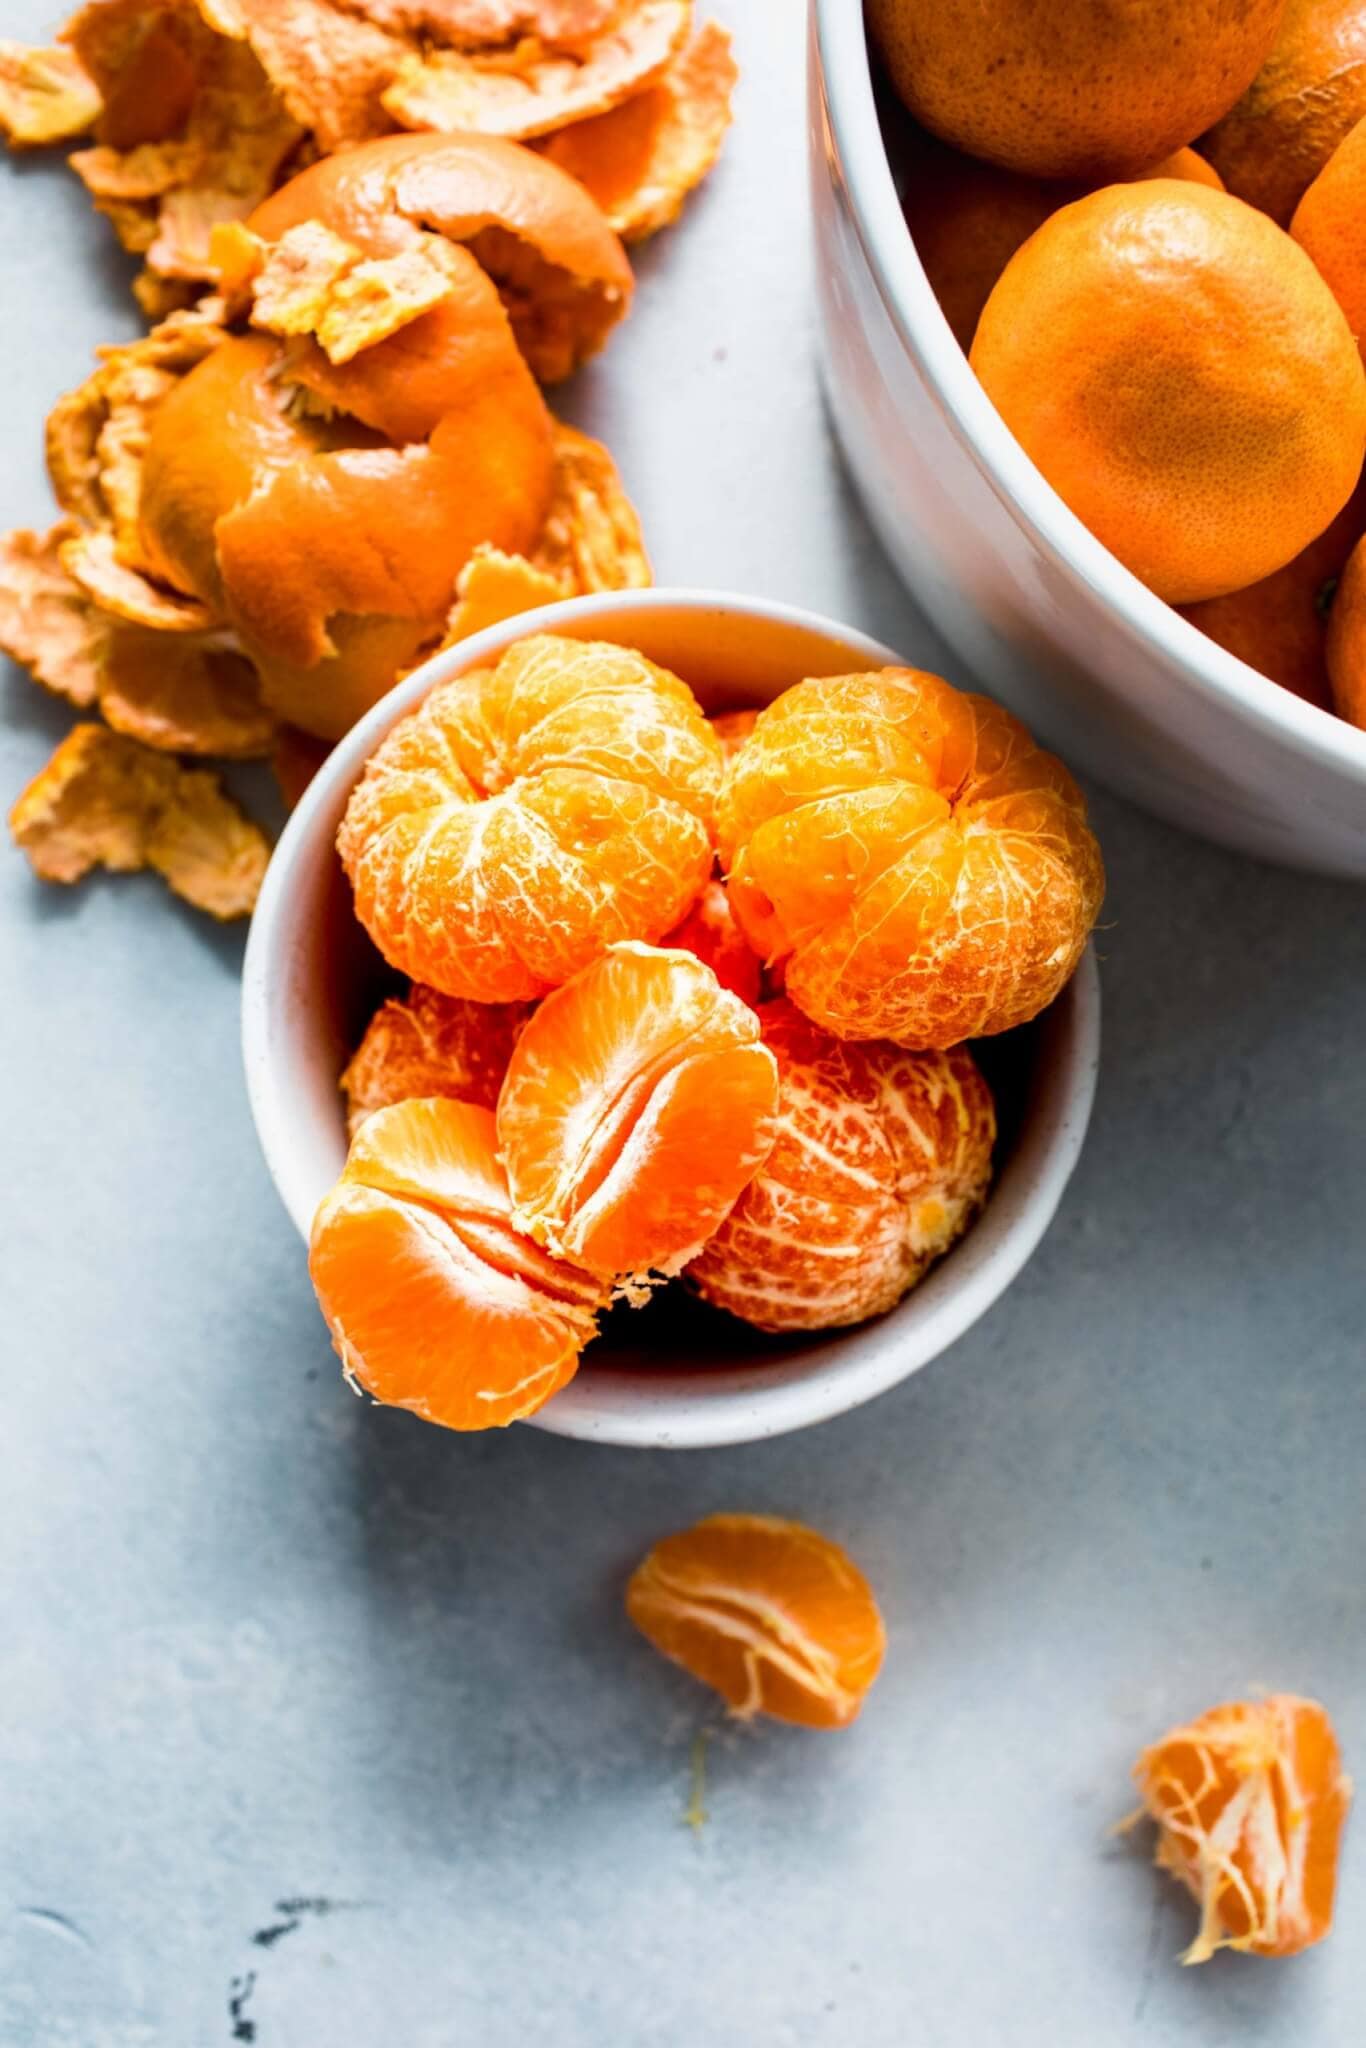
(673, 1375)
(1089, 658)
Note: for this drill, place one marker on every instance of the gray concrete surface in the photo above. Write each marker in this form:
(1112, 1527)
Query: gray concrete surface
(260, 1643)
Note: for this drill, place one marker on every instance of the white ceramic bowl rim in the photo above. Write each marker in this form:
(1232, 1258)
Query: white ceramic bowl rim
(675, 1409)
(1206, 668)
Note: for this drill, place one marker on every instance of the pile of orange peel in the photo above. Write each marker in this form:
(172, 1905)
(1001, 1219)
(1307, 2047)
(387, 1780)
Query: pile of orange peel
(371, 232)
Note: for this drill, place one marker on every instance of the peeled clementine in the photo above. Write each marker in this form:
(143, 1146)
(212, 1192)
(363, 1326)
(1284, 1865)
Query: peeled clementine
(1330, 226)
(1308, 94)
(435, 1301)
(711, 934)
(638, 1104)
(1182, 376)
(426, 1044)
(1092, 89)
(917, 867)
(772, 1615)
(881, 1161)
(1250, 1801)
(528, 816)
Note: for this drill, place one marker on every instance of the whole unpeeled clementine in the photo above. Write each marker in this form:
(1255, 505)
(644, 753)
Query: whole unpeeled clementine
(1091, 89)
(1347, 641)
(1308, 94)
(1330, 226)
(1182, 376)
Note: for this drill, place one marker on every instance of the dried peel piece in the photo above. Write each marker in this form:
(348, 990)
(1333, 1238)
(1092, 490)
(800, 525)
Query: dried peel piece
(494, 586)
(184, 695)
(91, 560)
(642, 159)
(104, 801)
(45, 96)
(47, 623)
(591, 539)
(313, 281)
(475, 24)
(530, 88)
(328, 66)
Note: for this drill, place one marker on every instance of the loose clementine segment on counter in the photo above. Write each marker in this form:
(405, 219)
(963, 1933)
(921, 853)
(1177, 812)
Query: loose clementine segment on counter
(773, 1616)
(427, 1044)
(638, 1103)
(918, 868)
(1250, 1801)
(436, 1302)
(881, 1161)
(528, 816)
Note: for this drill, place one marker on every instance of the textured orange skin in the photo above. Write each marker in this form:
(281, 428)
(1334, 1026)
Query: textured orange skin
(967, 218)
(1347, 641)
(1283, 1752)
(426, 1044)
(1308, 95)
(1280, 625)
(525, 818)
(882, 1159)
(1183, 378)
(1330, 226)
(436, 1303)
(638, 1103)
(1092, 89)
(916, 867)
(773, 1616)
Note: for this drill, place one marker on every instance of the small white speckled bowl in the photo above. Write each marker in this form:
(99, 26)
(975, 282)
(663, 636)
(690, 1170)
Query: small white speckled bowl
(677, 1374)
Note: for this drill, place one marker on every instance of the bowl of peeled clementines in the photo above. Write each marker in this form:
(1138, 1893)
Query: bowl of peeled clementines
(1092, 282)
(670, 1019)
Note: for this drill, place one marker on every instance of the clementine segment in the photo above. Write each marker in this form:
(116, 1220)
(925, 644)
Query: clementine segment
(1184, 379)
(435, 1301)
(916, 866)
(1308, 94)
(1091, 90)
(772, 1615)
(710, 933)
(1250, 1801)
(638, 1104)
(527, 817)
(882, 1159)
(427, 1044)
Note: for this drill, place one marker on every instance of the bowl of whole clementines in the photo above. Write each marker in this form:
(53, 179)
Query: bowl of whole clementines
(670, 1019)
(1092, 283)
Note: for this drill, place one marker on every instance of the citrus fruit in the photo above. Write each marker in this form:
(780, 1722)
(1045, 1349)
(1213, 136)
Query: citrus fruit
(1309, 92)
(710, 933)
(1250, 1800)
(527, 816)
(882, 1159)
(638, 1103)
(1092, 90)
(1330, 226)
(772, 1615)
(915, 866)
(967, 218)
(1347, 641)
(1182, 376)
(733, 728)
(426, 1044)
(435, 1301)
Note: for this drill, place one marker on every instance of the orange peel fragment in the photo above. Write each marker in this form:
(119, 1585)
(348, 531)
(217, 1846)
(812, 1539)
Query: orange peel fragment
(47, 622)
(104, 801)
(426, 1044)
(185, 695)
(45, 96)
(313, 281)
(494, 586)
(591, 539)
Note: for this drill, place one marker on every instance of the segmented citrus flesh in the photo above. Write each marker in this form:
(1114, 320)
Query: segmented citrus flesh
(733, 728)
(426, 1044)
(435, 1301)
(528, 816)
(882, 1158)
(710, 933)
(638, 1103)
(773, 1616)
(915, 864)
(1250, 1801)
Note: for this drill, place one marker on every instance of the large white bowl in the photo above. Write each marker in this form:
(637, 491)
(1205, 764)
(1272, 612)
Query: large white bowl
(1038, 609)
(676, 1375)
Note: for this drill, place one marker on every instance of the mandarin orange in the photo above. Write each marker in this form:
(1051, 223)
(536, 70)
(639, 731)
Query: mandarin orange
(427, 1044)
(436, 1302)
(1250, 1801)
(710, 933)
(1330, 226)
(1347, 641)
(1184, 379)
(638, 1104)
(914, 864)
(1095, 89)
(527, 816)
(1308, 94)
(882, 1159)
(772, 1615)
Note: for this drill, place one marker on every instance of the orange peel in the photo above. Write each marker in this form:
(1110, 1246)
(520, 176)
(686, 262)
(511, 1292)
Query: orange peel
(104, 801)
(591, 537)
(641, 159)
(47, 622)
(494, 586)
(45, 96)
(184, 695)
(425, 1044)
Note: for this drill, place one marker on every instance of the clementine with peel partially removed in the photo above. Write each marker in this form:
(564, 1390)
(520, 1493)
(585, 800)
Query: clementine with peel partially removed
(638, 1104)
(915, 865)
(1250, 1801)
(528, 816)
(436, 1302)
(772, 1615)
(881, 1161)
